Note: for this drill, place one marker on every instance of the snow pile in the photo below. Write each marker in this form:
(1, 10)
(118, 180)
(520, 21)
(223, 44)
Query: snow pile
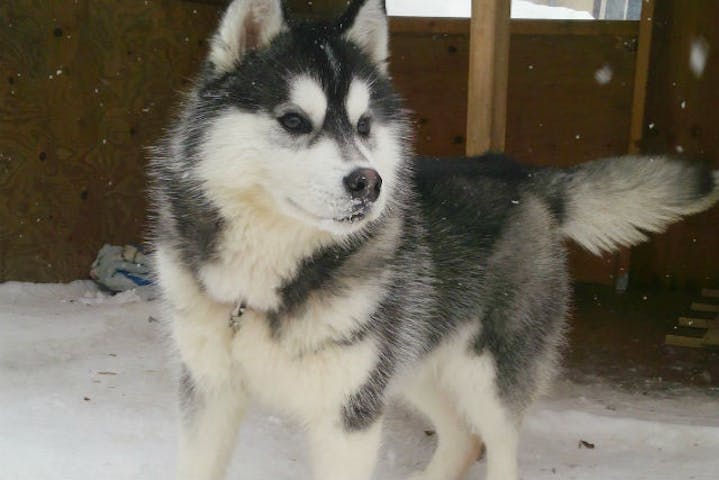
(527, 9)
(86, 393)
(98, 298)
(463, 9)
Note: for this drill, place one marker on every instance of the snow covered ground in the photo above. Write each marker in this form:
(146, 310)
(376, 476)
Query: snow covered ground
(463, 9)
(86, 393)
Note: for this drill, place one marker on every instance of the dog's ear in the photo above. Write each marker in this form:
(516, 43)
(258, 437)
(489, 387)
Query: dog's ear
(246, 25)
(365, 23)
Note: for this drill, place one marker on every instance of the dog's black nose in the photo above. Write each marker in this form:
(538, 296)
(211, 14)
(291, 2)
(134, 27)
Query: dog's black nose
(364, 184)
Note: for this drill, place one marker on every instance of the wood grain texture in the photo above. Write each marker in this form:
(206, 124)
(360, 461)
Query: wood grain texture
(430, 71)
(682, 114)
(488, 69)
(558, 113)
(86, 86)
(64, 192)
(641, 76)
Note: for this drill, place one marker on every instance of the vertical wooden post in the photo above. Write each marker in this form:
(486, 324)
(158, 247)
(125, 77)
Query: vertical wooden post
(636, 130)
(488, 73)
(641, 75)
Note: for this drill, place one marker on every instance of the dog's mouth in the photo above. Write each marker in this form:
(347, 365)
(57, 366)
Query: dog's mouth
(355, 217)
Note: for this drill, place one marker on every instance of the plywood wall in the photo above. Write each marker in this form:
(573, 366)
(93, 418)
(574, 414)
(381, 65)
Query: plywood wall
(558, 112)
(87, 85)
(429, 64)
(682, 117)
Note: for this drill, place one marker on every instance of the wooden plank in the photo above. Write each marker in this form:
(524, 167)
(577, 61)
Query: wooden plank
(636, 128)
(705, 307)
(681, 341)
(430, 72)
(488, 73)
(711, 338)
(429, 25)
(86, 87)
(708, 292)
(682, 111)
(641, 75)
(575, 27)
(698, 322)
(552, 86)
(501, 75)
(461, 26)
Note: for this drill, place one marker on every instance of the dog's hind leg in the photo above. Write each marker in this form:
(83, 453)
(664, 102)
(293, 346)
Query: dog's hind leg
(456, 448)
(473, 383)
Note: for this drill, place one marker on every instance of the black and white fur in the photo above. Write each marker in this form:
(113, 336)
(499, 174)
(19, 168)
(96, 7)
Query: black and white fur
(446, 288)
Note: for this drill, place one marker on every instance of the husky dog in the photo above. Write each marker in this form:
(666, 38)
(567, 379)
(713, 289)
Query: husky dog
(310, 263)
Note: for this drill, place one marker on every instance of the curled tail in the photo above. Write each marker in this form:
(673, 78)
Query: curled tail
(614, 202)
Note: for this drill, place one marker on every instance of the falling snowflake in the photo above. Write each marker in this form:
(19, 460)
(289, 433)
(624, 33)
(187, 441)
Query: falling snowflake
(698, 56)
(604, 75)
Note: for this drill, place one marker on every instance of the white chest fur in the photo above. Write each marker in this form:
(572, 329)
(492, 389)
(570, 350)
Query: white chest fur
(301, 384)
(306, 366)
(254, 256)
(303, 370)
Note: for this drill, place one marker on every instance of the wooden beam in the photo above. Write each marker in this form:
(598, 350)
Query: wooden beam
(711, 338)
(698, 322)
(636, 127)
(711, 293)
(620, 28)
(460, 26)
(681, 341)
(488, 72)
(705, 307)
(429, 25)
(641, 75)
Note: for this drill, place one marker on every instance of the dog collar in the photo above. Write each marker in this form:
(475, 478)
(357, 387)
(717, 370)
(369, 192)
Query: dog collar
(237, 312)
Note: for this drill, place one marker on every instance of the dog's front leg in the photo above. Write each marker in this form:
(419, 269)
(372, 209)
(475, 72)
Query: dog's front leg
(210, 420)
(212, 399)
(339, 453)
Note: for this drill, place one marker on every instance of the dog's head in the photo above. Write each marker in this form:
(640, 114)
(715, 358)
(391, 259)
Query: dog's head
(299, 117)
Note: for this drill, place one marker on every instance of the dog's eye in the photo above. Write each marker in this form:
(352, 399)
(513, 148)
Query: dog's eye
(295, 123)
(364, 126)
